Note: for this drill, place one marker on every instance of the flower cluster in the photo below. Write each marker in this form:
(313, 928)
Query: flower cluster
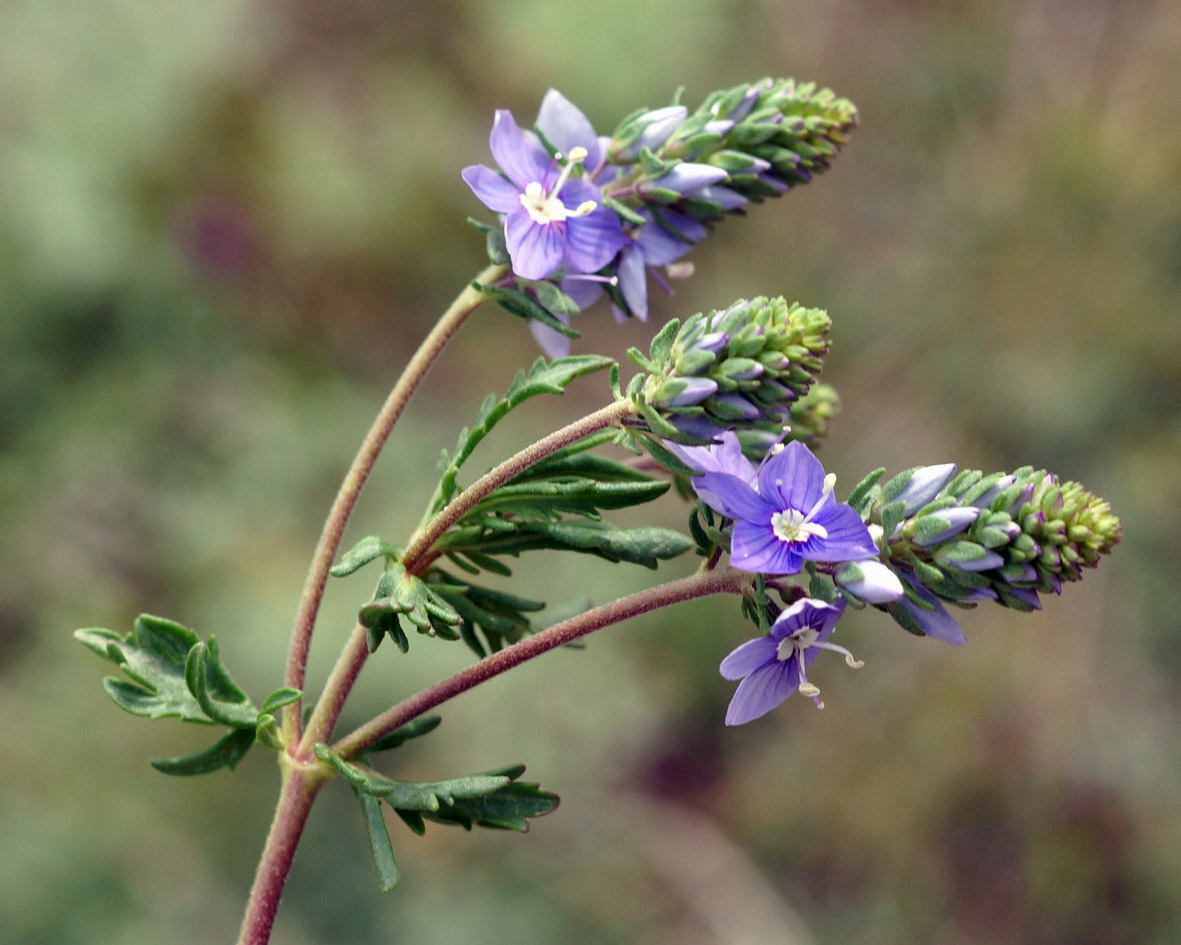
(602, 213)
(743, 367)
(967, 537)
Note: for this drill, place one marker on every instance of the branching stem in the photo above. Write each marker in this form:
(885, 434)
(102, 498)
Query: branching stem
(702, 584)
(350, 489)
(418, 554)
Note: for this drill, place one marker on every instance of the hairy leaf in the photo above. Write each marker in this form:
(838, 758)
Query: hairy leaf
(172, 672)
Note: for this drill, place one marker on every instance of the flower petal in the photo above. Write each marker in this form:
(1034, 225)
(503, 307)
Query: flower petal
(762, 691)
(536, 249)
(494, 191)
(748, 657)
(792, 478)
(592, 240)
(735, 498)
(519, 154)
(659, 246)
(552, 342)
(755, 547)
(848, 538)
(633, 281)
(567, 127)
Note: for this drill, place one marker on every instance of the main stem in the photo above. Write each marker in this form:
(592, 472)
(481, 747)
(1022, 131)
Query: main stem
(300, 785)
(418, 552)
(701, 584)
(350, 489)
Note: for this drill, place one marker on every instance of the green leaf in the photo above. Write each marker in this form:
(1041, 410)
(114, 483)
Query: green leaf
(267, 732)
(510, 808)
(862, 490)
(645, 546)
(545, 498)
(666, 457)
(520, 303)
(415, 728)
(225, 753)
(431, 796)
(364, 551)
(154, 656)
(663, 341)
(542, 378)
(379, 841)
(281, 697)
(217, 694)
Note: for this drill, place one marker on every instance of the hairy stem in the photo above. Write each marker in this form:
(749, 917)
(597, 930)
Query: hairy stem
(350, 489)
(423, 540)
(702, 584)
(300, 785)
(418, 553)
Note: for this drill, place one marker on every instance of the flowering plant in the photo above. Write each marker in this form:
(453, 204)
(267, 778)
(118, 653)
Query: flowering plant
(726, 406)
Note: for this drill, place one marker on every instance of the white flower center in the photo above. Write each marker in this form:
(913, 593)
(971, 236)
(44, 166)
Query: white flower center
(790, 525)
(547, 207)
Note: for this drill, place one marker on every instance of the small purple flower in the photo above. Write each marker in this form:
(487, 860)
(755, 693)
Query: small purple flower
(553, 219)
(787, 516)
(774, 666)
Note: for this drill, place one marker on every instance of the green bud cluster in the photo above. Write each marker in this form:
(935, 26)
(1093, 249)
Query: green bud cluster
(971, 537)
(768, 136)
(741, 368)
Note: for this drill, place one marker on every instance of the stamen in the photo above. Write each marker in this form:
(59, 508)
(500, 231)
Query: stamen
(680, 270)
(850, 660)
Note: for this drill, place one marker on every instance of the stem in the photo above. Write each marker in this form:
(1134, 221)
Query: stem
(701, 584)
(300, 785)
(422, 541)
(350, 489)
(418, 552)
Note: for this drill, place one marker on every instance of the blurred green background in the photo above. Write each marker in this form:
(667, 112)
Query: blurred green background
(223, 228)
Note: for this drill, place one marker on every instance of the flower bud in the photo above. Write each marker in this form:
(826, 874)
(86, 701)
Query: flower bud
(870, 581)
(758, 355)
(1003, 537)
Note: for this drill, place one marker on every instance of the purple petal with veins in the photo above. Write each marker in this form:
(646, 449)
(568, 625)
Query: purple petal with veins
(567, 127)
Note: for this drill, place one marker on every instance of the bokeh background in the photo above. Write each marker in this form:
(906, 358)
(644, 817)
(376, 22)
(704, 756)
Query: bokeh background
(225, 225)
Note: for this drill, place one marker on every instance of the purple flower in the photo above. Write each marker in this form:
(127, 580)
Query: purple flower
(787, 516)
(774, 666)
(553, 219)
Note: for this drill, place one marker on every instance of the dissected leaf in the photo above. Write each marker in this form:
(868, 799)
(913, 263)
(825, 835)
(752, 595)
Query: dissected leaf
(399, 736)
(225, 753)
(542, 377)
(155, 656)
(644, 546)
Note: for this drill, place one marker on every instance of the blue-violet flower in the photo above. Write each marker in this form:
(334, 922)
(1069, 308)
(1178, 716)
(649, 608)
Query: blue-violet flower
(788, 515)
(553, 218)
(774, 666)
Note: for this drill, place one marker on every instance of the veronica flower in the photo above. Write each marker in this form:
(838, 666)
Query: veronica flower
(553, 217)
(774, 666)
(787, 516)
